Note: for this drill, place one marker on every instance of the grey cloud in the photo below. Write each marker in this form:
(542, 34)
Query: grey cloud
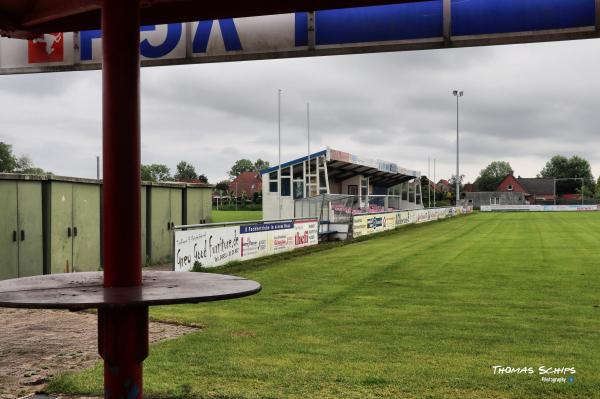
(522, 103)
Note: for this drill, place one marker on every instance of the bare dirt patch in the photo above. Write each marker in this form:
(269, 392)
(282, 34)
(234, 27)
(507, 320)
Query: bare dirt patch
(38, 344)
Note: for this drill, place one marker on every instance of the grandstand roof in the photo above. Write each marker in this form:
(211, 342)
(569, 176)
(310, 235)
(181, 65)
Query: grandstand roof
(343, 165)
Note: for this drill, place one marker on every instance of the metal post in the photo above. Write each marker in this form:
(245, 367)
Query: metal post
(457, 94)
(429, 182)
(308, 148)
(421, 192)
(279, 150)
(97, 167)
(457, 158)
(122, 332)
(434, 184)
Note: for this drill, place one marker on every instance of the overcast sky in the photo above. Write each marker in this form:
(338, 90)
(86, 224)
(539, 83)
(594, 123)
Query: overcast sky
(522, 104)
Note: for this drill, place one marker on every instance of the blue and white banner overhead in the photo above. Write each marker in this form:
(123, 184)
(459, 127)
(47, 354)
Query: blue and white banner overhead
(396, 27)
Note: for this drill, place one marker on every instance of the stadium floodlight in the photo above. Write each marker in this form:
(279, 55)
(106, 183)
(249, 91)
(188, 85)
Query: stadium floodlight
(457, 94)
(279, 151)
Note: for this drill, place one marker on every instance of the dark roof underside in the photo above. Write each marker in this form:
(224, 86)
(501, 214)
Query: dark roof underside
(27, 18)
(537, 186)
(339, 170)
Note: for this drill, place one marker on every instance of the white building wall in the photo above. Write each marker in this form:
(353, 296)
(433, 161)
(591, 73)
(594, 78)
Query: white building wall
(271, 204)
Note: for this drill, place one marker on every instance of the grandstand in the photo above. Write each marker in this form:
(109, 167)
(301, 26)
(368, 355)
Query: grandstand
(332, 182)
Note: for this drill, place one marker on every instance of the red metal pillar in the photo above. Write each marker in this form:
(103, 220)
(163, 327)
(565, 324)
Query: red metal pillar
(122, 332)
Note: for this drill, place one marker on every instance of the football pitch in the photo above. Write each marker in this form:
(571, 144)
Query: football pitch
(422, 312)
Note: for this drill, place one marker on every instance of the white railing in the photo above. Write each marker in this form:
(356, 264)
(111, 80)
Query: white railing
(340, 208)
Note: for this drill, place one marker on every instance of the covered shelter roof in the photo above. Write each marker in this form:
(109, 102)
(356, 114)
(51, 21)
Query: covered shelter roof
(28, 18)
(343, 165)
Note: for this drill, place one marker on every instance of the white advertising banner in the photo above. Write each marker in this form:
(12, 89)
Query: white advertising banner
(210, 247)
(373, 223)
(366, 224)
(539, 208)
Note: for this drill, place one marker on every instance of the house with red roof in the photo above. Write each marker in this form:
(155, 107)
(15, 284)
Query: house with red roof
(248, 183)
(535, 190)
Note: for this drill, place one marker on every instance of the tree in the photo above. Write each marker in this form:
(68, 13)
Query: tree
(560, 167)
(24, 165)
(11, 164)
(452, 181)
(492, 175)
(156, 172)
(203, 178)
(8, 162)
(240, 166)
(260, 165)
(185, 171)
(223, 185)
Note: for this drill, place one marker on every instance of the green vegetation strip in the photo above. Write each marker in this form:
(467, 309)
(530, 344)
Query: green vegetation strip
(235, 216)
(423, 312)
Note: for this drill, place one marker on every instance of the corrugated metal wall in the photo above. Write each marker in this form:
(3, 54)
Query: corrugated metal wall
(51, 224)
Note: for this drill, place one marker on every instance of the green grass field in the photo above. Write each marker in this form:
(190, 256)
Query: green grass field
(422, 312)
(235, 216)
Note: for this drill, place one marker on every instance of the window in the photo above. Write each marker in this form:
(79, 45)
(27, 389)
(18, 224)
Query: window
(285, 187)
(322, 180)
(273, 182)
(298, 171)
(509, 187)
(298, 189)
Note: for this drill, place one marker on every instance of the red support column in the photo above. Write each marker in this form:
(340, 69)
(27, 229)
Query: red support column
(122, 332)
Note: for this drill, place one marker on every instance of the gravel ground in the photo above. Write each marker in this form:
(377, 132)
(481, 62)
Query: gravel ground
(37, 344)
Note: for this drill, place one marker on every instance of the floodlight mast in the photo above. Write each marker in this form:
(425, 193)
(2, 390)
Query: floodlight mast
(429, 181)
(279, 150)
(307, 183)
(457, 94)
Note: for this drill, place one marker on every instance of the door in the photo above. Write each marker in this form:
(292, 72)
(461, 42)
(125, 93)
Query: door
(61, 227)
(86, 228)
(206, 199)
(30, 233)
(160, 224)
(176, 199)
(9, 245)
(143, 226)
(194, 206)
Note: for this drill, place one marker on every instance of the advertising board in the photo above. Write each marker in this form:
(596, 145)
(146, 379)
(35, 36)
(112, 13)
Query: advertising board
(373, 223)
(215, 246)
(539, 208)
(365, 224)
(393, 27)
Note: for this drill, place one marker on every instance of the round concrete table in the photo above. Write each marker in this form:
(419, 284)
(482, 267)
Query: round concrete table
(85, 290)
